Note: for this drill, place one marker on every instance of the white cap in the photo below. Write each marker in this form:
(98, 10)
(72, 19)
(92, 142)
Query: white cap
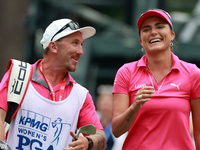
(56, 25)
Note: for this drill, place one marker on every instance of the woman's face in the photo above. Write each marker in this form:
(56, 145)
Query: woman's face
(155, 34)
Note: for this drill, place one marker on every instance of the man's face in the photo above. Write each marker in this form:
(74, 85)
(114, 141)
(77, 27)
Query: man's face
(70, 50)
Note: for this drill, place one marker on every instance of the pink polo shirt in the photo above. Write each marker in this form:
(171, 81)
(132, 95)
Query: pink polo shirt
(87, 114)
(163, 122)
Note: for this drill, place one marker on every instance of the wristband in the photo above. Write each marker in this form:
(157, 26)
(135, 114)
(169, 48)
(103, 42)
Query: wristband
(90, 143)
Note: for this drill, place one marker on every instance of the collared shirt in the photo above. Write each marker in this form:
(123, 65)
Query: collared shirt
(162, 122)
(38, 81)
(87, 114)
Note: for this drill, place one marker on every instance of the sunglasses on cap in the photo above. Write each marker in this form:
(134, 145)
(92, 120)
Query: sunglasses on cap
(73, 25)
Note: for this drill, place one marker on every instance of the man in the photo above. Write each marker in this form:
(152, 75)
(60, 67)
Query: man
(54, 105)
(104, 103)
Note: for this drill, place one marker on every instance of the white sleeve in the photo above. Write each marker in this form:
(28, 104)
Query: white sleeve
(118, 142)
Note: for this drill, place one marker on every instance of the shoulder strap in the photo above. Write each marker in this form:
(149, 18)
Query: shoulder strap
(20, 75)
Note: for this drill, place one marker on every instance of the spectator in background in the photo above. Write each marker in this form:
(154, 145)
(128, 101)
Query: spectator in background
(191, 130)
(104, 110)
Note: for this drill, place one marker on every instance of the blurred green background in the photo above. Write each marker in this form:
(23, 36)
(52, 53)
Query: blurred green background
(116, 42)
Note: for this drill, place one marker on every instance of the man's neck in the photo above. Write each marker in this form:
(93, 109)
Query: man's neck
(53, 73)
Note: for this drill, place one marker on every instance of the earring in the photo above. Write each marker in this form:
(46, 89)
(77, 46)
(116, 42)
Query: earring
(142, 49)
(171, 44)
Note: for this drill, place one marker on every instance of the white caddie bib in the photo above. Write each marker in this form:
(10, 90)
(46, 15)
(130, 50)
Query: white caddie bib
(43, 124)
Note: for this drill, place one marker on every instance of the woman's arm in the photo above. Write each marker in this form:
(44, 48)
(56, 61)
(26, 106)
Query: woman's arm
(195, 105)
(123, 115)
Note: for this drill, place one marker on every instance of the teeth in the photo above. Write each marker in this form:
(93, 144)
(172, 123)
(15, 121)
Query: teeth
(155, 40)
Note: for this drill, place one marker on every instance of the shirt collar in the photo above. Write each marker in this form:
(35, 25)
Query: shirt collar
(175, 61)
(42, 82)
(143, 61)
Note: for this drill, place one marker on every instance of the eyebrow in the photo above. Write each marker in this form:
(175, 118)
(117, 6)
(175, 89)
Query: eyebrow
(156, 24)
(77, 40)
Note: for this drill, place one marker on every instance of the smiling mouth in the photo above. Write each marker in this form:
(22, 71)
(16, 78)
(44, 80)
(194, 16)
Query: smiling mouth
(76, 59)
(155, 40)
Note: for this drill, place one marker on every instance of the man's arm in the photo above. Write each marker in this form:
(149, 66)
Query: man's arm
(2, 120)
(99, 141)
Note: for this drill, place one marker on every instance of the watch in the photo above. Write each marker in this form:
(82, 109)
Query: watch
(90, 143)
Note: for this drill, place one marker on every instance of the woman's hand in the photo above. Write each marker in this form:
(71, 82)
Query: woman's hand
(142, 96)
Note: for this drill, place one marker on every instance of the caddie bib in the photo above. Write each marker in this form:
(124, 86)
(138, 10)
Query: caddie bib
(43, 124)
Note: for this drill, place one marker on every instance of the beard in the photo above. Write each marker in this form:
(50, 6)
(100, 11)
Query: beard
(71, 68)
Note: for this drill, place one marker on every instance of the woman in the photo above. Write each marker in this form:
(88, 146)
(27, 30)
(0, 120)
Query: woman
(153, 96)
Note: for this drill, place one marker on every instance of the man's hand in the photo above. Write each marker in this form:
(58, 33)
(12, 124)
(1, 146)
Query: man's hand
(4, 146)
(80, 144)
